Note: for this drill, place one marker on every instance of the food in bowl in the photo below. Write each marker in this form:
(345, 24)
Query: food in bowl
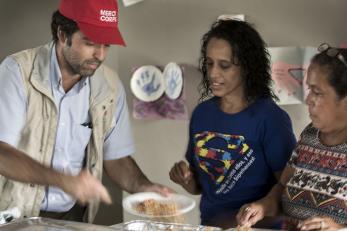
(156, 208)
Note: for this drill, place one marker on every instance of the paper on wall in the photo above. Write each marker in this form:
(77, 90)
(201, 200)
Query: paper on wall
(130, 2)
(289, 71)
(240, 17)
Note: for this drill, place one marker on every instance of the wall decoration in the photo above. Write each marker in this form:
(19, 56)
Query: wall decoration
(159, 95)
(173, 79)
(147, 83)
(288, 66)
(130, 2)
(240, 17)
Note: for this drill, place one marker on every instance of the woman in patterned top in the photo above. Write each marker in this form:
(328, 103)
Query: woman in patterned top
(313, 188)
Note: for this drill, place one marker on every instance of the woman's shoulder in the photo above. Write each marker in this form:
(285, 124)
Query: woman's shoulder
(208, 104)
(309, 130)
(267, 108)
(205, 110)
(308, 134)
(268, 104)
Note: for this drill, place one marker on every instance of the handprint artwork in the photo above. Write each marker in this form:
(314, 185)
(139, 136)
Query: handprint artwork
(148, 84)
(173, 80)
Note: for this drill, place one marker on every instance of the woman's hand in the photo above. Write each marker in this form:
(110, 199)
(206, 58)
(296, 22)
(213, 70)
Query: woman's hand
(319, 223)
(180, 173)
(250, 214)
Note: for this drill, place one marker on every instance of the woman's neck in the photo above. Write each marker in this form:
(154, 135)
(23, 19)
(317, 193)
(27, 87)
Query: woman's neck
(333, 138)
(232, 105)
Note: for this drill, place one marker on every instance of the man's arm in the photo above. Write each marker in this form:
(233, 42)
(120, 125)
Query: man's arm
(18, 166)
(15, 165)
(126, 174)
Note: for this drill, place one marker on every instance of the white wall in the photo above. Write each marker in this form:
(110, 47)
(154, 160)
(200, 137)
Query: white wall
(160, 31)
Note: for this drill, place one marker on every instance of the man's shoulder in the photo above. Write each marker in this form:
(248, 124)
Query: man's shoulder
(30, 53)
(106, 79)
(110, 74)
(108, 69)
(25, 59)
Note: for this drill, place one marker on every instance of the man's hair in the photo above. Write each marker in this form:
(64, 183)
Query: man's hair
(66, 25)
(336, 69)
(249, 52)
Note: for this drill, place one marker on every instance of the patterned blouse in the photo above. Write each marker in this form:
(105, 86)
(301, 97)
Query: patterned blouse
(319, 184)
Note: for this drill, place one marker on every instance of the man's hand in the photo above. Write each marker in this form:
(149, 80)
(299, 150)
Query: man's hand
(161, 189)
(85, 187)
(127, 175)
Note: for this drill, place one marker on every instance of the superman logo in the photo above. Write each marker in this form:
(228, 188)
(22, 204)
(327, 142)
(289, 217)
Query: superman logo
(216, 153)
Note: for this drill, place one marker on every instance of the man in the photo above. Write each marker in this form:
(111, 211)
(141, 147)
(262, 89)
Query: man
(63, 118)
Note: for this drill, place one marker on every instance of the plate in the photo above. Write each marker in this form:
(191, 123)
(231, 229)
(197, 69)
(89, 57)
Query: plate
(147, 83)
(141, 225)
(184, 204)
(173, 80)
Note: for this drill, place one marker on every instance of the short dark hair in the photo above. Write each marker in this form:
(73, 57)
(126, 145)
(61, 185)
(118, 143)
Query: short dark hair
(250, 51)
(337, 70)
(67, 25)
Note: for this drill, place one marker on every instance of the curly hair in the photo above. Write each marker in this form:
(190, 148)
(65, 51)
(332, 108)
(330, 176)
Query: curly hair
(336, 69)
(250, 51)
(65, 24)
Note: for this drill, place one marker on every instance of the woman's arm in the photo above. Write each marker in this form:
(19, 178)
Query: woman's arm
(249, 214)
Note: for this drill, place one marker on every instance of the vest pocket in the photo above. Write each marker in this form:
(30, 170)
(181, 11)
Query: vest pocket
(80, 138)
(6, 187)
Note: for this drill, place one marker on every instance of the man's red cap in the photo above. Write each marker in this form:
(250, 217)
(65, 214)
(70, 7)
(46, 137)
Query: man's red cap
(97, 19)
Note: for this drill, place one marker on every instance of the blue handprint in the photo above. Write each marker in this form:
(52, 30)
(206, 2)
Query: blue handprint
(174, 80)
(147, 83)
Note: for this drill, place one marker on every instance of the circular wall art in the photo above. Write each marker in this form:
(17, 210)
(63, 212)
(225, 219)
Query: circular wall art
(173, 79)
(147, 83)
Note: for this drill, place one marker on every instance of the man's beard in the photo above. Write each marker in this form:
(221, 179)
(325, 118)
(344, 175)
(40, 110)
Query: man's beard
(77, 68)
(82, 69)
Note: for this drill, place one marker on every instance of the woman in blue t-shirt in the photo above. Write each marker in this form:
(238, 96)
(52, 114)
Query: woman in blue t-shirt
(239, 139)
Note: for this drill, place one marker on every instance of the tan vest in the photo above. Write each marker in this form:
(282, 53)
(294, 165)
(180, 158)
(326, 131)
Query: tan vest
(39, 133)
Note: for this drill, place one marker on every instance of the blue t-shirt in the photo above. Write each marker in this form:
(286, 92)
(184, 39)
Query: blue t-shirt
(235, 155)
